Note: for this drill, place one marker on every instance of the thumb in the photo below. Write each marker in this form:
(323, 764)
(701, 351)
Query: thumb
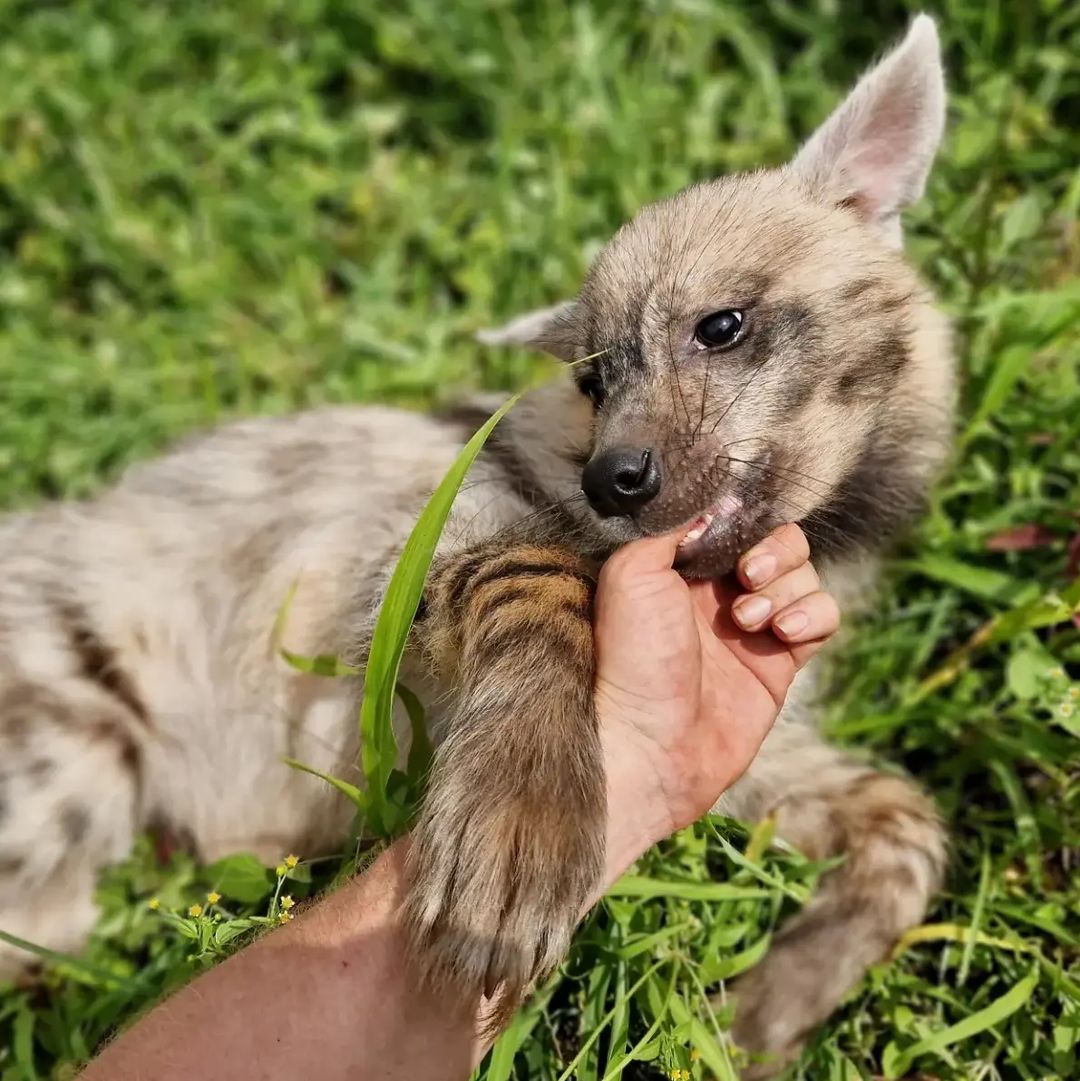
(650, 554)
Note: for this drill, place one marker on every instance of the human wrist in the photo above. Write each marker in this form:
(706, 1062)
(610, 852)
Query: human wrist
(637, 811)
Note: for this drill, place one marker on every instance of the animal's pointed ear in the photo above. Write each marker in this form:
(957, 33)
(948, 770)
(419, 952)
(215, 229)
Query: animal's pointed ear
(874, 152)
(553, 330)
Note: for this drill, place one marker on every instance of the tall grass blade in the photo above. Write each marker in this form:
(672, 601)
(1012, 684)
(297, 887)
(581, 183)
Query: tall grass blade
(378, 745)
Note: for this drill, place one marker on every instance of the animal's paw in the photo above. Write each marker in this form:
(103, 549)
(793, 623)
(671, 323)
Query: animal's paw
(815, 959)
(772, 1019)
(501, 874)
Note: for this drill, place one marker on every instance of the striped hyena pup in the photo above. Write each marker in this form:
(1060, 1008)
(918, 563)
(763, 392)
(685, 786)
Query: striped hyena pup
(761, 352)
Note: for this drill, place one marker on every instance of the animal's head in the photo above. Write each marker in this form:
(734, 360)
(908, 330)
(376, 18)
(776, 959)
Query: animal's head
(759, 351)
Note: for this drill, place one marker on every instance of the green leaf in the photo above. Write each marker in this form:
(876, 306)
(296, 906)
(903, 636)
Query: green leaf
(620, 1023)
(986, 1018)
(713, 1054)
(323, 664)
(645, 1049)
(990, 585)
(241, 877)
(91, 973)
(640, 886)
(726, 968)
(224, 933)
(1025, 673)
(420, 749)
(1047, 611)
(639, 944)
(1023, 219)
(796, 893)
(1008, 368)
(378, 747)
(350, 790)
(22, 1045)
(501, 1063)
(398, 806)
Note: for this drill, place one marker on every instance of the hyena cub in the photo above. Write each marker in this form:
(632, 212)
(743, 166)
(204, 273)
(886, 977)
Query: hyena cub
(760, 353)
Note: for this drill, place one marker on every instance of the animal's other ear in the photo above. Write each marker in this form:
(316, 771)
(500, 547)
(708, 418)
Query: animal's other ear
(553, 330)
(874, 152)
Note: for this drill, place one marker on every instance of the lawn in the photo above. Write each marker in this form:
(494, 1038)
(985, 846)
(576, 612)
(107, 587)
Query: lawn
(210, 210)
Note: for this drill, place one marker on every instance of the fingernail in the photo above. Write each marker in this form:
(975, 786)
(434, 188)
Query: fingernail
(759, 568)
(792, 623)
(753, 610)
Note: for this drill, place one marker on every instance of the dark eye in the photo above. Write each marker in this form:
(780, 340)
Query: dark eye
(592, 387)
(719, 329)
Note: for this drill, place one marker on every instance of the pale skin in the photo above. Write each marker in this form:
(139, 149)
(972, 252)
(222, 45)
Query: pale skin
(690, 677)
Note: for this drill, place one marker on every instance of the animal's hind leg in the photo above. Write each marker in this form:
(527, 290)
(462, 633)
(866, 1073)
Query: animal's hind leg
(892, 843)
(68, 803)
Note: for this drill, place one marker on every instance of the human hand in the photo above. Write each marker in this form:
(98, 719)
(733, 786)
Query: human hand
(692, 674)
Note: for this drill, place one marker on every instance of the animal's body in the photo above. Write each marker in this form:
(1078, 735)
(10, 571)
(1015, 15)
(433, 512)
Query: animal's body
(760, 337)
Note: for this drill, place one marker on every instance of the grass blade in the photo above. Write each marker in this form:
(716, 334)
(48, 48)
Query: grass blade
(378, 746)
(350, 790)
(501, 1062)
(595, 1034)
(420, 749)
(90, 972)
(641, 886)
(989, 1016)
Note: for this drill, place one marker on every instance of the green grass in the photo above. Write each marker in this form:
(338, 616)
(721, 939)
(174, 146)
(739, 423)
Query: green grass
(212, 210)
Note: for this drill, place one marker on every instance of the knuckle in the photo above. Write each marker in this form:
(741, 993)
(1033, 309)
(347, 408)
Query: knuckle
(793, 585)
(832, 610)
(827, 611)
(618, 568)
(786, 544)
(791, 540)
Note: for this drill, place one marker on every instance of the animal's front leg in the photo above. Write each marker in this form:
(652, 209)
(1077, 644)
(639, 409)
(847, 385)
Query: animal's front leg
(510, 843)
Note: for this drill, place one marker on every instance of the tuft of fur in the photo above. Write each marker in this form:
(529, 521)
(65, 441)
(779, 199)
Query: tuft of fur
(893, 849)
(140, 684)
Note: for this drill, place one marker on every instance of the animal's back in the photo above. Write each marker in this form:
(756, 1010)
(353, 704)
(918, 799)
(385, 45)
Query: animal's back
(159, 600)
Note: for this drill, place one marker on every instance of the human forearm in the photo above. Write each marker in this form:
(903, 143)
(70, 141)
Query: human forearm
(331, 996)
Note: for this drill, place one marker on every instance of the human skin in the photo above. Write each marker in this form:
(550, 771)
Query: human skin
(690, 677)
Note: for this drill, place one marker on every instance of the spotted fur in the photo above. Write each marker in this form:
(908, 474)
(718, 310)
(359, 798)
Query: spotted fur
(139, 680)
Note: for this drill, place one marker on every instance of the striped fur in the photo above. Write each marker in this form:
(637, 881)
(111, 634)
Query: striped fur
(511, 839)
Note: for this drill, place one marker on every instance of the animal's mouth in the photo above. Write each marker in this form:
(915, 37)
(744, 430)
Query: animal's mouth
(711, 528)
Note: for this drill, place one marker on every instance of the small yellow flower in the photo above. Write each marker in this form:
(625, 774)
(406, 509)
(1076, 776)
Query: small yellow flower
(280, 870)
(213, 897)
(153, 903)
(695, 1054)
(195, 910)
(284, 917)
(1074, 693)
(287, 902)
(1066, 709)
(1056, 673)
(291, 861)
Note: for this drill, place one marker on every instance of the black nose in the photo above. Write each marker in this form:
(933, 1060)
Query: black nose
(621, 481)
